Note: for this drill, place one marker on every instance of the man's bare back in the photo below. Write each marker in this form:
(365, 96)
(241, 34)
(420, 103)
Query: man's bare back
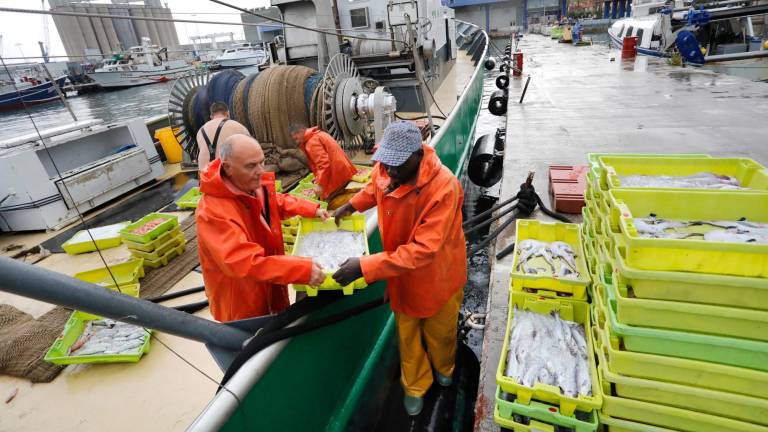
(231, 127)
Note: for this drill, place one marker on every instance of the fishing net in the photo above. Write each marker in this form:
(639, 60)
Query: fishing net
(25, 340)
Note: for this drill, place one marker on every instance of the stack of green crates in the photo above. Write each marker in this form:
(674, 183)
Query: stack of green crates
(158, 246)
(543, 407)
(680, 325)
(290, 228)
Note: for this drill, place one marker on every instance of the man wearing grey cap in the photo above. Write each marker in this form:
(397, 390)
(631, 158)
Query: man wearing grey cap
(424, 260)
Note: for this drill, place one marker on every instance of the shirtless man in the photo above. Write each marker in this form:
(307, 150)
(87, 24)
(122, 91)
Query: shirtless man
(215, 131)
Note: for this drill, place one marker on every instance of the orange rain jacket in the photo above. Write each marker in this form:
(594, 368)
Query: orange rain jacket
(241, 255)
(425, 256)
(328, 162)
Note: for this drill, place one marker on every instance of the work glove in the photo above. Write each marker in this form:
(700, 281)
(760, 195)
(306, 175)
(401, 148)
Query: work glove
(343, 211)
(349, 272)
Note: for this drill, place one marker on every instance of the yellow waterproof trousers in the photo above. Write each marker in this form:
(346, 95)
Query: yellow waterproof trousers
(427, 343)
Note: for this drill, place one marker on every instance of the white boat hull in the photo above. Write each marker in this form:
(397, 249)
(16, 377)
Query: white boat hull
(122, 79)
(240, 62)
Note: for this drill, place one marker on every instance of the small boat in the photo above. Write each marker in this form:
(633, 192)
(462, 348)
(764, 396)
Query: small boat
(141, 65)
(242, 55)
(28, 92)
(721, 35)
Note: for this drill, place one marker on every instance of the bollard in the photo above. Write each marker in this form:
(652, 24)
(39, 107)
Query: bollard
(518, 70)
(629, 47)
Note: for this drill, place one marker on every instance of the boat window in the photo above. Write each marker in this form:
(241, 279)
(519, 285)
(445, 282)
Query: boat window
(359, 17)
(621, 30)
(639, 36)
(629, 31)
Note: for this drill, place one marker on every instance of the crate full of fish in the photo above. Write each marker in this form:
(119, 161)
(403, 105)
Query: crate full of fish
(711, 232)
(161, 250)
(739, 407)
(92, 239)
(89, 338)
(731, 379)
(154, 244)
(547, 354)
(330, 246)
(723, 290)
(309, 192)
(539, 416)
(149, 227)
(362, 174)
(549, 257)
(597, 165)
(707, 173)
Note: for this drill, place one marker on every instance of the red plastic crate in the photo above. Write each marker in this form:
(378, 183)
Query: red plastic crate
(567, 184)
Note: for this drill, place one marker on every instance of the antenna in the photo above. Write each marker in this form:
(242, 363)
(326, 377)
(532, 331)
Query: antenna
(46, 33)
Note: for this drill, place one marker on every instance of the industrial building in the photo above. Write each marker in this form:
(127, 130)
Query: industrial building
(91, 37)
(500, 17)
(265, 30)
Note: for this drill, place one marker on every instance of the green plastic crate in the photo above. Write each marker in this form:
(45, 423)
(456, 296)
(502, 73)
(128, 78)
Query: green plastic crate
(550, 232)
(569, 310)
(105, 237)
(363, 174)
(355, 222)
(738, 407)
(57, 353)
(170, 222)
(693, 317)
(167, 257)
(537, 411)
(745, 353)
(734, 291)
(673, 418)
(611, 424)
(127, 273)
(697, 256)
(190, 199)
(161, 251)
(298, 192)
(695, 373)
(750, 174)
(154, 244)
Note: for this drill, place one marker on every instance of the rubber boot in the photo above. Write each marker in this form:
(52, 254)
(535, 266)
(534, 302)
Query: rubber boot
(413, 405)
(444, 381)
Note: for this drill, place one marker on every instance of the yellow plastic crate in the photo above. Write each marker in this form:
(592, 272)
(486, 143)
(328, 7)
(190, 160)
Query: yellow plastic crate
(154, 244)
(355, 222)
(750, 174)
(673, 418)
(611, 424)
(127, 273)
(743, 292)
(165, 259)
(363, 174)
(692, 317)
(729, 405)
(161, 251)
(550, 232)
(92, 239)
(697, 256)
(169, 222)
(596, 161)
(687, 372)
(569, 310)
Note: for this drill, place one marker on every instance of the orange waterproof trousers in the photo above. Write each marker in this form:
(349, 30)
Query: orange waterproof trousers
(427, 343)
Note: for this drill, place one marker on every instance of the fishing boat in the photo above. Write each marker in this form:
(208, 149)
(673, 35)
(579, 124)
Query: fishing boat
(30, 88)
(722, 34)
(334, 378)
(241, 55)
(141, 65)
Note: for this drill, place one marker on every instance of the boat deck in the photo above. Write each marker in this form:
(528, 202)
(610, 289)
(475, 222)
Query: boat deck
(580, 101)
(160, 392)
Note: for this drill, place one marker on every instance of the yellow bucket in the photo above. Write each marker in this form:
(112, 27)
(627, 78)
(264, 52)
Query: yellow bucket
(171, 146)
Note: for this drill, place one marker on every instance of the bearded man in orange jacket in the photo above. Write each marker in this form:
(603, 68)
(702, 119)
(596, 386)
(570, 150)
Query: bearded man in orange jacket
(327, 160)
(424, 260)
(240, 236)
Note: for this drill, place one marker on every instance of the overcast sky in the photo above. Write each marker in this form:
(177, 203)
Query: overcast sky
(20, 32)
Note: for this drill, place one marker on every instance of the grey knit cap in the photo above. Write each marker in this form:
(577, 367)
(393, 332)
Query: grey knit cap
(401, 139)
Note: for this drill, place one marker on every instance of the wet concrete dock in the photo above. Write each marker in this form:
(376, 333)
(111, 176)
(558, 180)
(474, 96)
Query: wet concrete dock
(580, 101)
